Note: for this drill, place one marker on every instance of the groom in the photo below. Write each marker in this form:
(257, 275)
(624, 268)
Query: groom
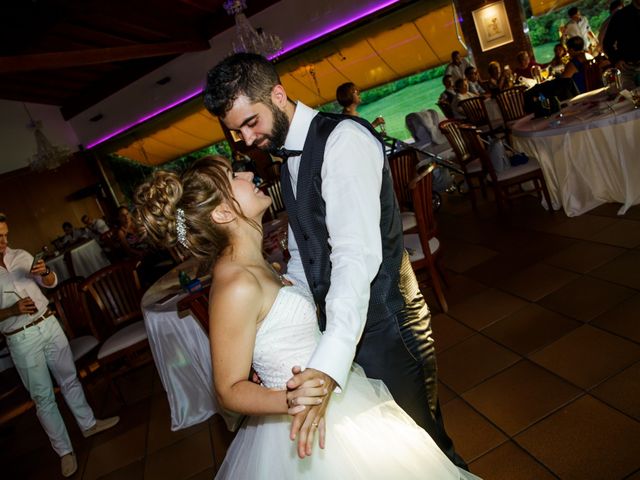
(345, 242)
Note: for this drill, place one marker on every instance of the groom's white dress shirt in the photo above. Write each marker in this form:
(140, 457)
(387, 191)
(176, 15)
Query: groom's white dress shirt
(351, 181)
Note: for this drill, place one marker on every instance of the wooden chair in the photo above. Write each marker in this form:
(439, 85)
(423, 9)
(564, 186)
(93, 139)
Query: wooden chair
(507, 184)
(475, 111)
(115, 294)
(424, 247)
(70, 307)
(511, 104)
(274, 190)
(403, 165)
(471, 165)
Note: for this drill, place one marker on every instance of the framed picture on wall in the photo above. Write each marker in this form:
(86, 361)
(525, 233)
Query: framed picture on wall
(492, 26)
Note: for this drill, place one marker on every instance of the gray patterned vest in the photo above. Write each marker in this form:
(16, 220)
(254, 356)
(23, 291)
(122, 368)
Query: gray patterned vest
(307, 219)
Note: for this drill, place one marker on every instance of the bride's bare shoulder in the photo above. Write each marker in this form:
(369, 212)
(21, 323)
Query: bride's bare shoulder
(235, 282)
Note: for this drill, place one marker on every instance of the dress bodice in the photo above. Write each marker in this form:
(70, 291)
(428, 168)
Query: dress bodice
(286, 337)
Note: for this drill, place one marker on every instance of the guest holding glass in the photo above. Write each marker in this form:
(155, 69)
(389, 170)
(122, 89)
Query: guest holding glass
(39, 348)
(559, 60)
(499, 79)
(348, 96)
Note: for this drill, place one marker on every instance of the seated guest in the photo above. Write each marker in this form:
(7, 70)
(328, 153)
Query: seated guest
(462, 93)
(131, 236)
(524, 65)
(133, 242)
(457, 66)
(557, 63)
(72, 235)
(96, 226)
(575, 68)
(449, 93)
(473, 79)
(498, 79)
(348, 96)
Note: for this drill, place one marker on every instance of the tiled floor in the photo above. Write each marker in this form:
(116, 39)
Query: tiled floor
(539, 361)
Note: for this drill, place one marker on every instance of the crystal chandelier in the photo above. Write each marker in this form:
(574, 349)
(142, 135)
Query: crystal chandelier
(248, 39)
(47, 156)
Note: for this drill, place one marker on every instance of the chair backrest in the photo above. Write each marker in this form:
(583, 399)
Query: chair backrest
(451, 130)
(70, 305)
(115, 291)
(197, 304)
(475, 111)
(592, 75)
(445, 108)
(471, 138)
(421, 188)
(403, 166)
(511, 103)
(274, 190)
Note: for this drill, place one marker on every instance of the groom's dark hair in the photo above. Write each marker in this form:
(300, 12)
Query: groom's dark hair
(239, 74)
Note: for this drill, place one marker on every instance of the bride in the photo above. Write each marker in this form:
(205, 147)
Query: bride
(258, 320)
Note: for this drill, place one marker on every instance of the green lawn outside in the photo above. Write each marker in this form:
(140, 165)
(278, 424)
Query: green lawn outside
(418, 97)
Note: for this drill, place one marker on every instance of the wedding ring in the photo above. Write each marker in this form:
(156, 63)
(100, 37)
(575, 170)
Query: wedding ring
(314, 424)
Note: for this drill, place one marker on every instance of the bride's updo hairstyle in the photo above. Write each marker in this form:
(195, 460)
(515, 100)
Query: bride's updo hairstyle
(198, 191)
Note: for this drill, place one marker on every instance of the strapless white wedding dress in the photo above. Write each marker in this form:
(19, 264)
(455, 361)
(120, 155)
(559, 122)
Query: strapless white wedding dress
(368, 435)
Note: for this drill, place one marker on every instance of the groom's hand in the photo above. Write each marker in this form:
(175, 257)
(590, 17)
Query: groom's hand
(311, 419)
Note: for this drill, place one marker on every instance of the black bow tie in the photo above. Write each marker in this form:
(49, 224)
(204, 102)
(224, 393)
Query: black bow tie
(285, 153)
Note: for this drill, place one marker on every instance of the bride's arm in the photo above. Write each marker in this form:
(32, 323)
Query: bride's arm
(234, 310)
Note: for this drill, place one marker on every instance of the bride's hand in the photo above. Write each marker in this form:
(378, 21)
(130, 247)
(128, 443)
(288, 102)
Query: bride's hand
(305, 423)
(310, 392)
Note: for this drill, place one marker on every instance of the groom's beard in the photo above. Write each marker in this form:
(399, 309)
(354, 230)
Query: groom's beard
(278, 132)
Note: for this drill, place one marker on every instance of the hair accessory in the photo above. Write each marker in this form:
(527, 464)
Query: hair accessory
(181, 227)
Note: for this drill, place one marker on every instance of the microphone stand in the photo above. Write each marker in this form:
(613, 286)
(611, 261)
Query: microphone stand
(393, 143)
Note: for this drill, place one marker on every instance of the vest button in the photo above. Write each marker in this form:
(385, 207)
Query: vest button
(311, 261)
(315, 284)
(305, 236)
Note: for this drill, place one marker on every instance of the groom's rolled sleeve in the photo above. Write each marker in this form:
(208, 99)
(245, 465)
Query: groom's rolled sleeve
(351, 182)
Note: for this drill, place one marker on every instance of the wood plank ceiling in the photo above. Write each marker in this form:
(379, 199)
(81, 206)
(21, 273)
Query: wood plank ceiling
(74, 53)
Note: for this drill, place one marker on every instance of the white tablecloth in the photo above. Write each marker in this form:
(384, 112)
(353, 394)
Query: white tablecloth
(590, 155)
(87, 259)
(181, 352)
(180, 346)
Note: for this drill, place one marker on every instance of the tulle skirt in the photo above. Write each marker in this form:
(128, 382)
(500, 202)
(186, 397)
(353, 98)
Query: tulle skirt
(368, 437)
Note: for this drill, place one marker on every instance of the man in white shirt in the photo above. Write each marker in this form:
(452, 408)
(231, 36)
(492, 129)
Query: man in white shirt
(457, 66)
(96, 226)
(345, 240)
(579, 26)
(72, 235)
(38, 345)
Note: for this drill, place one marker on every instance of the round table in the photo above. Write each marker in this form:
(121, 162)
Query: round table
(589, 154)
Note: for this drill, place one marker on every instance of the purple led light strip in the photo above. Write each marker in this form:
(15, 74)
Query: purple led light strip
(310, 38)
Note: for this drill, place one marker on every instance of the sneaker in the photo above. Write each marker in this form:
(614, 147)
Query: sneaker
(100, 426)
(68, 464)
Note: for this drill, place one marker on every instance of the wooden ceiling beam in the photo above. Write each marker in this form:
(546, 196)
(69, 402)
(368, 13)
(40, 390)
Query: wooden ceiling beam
(58, 60)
